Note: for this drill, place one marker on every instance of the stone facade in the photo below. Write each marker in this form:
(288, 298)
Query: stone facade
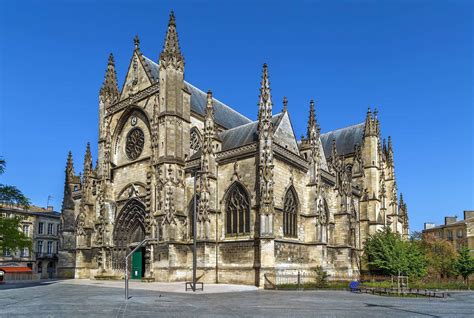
(42, 226)
(265, 201)
(458, 233)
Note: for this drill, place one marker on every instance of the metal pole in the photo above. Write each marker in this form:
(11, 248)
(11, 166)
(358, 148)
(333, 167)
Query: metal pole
(194, 234)
(126, 278)
(126, 263)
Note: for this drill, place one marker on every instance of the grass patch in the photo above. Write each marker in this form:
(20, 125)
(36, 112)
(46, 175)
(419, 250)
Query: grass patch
(327, 285)
(420, 284)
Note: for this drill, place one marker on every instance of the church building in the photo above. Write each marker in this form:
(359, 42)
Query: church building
(267, 203)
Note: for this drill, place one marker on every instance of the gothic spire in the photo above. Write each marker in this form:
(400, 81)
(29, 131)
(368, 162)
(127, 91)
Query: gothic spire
(313, 141)
(401, 199)
(265, 102)
(87, 161)
(371, 124)
(313, 127)
(109, 90)
(390, 150)
(69, 167)
(171, 54)
(68, 202)
(285, 104)
(136, 42)
(209, 130)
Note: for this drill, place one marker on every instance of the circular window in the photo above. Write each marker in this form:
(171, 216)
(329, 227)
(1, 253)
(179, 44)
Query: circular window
(134, 143)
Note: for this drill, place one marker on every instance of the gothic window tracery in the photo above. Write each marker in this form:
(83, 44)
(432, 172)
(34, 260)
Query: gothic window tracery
(134, 143)
(237, 211)
(290, 209)
(195, 139)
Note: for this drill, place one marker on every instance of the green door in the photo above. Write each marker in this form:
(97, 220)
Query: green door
(137, 265)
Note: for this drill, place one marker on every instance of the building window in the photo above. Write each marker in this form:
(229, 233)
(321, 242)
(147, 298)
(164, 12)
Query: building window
(7, 252)
(39, 247)
(450, 235)
(57, 229)
(25, 252)
(50, 228)
(237, 210)
(50, 247)
(290, 209)
(57, 247)
(26, 229)
(460, 233)
(40, 267)
(40, 228)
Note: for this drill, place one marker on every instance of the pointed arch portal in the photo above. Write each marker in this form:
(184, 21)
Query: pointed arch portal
(130, 228)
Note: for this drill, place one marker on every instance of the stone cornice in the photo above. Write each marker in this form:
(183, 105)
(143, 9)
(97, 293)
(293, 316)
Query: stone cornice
(237, 153)
(289, 157)
(132, 99)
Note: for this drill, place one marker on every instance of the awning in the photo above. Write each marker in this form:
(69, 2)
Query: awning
(12, 269)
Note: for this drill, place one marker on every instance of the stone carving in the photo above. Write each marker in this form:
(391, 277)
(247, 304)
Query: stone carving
(265, 168)
(195, 139)
(134, 143)
(115, 204)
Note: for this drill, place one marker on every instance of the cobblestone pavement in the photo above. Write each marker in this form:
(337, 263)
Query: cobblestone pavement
(66, 299)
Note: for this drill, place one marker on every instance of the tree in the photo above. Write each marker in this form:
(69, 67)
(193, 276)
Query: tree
(441, 255)
(388, 253)
(10, 195)
(12, 237)
(464, 264)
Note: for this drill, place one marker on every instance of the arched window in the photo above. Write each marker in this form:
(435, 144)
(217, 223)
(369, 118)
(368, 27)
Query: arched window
(290, 209)
(195, 139)
(237, 210)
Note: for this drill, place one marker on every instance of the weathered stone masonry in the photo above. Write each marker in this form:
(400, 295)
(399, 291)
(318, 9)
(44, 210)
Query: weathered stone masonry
(267, 203)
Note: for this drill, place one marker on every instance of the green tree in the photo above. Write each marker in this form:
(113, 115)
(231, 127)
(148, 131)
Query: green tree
(10, 195)
(441, 255)
(388, 253)
(464, 264)
(11, 237)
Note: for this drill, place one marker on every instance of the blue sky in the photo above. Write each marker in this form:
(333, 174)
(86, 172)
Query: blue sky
(413, 60)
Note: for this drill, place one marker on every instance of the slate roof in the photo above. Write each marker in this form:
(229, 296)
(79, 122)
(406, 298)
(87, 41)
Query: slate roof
(346, 139)
(223, 114)
(244, 134)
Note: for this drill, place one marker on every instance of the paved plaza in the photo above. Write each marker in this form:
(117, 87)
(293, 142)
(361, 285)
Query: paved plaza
(84, 298)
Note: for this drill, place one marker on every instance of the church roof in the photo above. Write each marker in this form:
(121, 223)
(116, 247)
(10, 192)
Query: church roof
(244, 134)
(346, 139)
(224, 115)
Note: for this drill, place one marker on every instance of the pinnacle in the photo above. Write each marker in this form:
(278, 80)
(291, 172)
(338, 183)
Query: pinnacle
(312, 124)
(209, 99)
(172, 20)
(285, 104)
(171, 50)
(136, 42)
(109, 87)
(265, 99)
(111, 60)
(69, 163)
